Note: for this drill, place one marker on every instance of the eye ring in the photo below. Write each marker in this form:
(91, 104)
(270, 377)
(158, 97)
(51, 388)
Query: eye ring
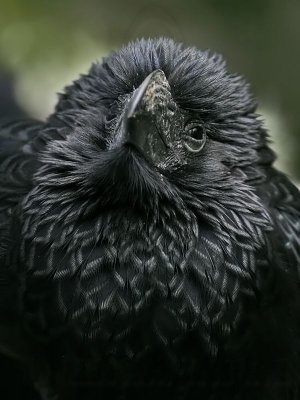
(195, 136)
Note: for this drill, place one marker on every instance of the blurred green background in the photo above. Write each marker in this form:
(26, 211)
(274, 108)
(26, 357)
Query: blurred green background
(46, 44)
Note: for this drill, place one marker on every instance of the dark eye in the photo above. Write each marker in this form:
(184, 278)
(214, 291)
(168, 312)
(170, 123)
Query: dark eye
(196, 132)
(195, 136)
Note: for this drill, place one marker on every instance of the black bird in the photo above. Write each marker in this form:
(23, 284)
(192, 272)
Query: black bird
(148, 245)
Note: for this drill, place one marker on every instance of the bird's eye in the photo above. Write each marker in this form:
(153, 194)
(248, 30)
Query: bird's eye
(196, 132)
(195, 136)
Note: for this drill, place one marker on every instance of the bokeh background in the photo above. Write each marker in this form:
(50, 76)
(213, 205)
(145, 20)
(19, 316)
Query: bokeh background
(46, 44)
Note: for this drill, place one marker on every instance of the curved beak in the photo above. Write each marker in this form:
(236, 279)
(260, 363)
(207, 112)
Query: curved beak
(143, 124)
(138, 95)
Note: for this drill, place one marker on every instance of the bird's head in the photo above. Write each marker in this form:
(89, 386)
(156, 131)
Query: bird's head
(157, 122)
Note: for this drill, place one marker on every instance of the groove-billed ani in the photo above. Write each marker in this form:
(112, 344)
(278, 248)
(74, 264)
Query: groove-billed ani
(148, 246)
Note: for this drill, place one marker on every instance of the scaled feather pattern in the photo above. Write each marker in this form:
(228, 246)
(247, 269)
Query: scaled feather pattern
(147, 244)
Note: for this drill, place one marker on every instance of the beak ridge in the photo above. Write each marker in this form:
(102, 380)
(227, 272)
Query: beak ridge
(140, 92)
(142, 126)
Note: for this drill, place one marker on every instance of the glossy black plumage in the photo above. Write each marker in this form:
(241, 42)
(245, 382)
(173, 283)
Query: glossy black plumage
(163, 265)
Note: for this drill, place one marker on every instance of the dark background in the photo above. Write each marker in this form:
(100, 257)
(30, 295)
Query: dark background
(46, 44)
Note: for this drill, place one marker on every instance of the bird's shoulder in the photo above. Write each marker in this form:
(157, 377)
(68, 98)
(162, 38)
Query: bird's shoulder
(18, 161)
(282, 198)
(19, 146)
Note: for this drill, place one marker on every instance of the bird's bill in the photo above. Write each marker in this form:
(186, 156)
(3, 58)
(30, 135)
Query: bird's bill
(144, 120)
